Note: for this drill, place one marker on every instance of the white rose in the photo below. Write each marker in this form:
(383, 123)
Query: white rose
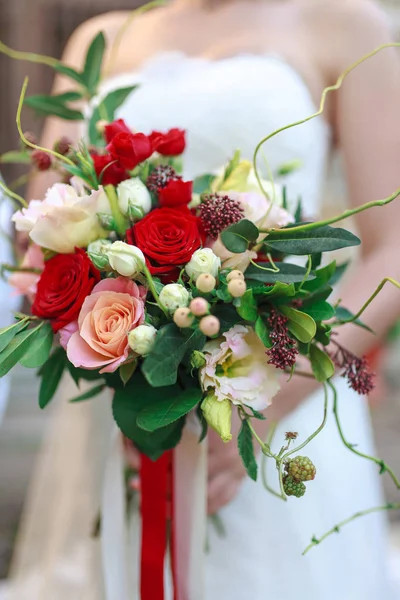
(125, 259)
(65, 219)
(141, 340)
(203, 261)
(174, 296)
(133, 192)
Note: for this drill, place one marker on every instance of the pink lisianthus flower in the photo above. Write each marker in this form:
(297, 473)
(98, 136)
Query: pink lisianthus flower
(258, 210)
(99, 338)
(237, 369)
(23, 282)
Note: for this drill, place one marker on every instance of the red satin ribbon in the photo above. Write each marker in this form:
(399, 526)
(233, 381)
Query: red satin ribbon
(155, 488)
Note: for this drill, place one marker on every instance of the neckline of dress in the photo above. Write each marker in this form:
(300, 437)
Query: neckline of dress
(176, 56)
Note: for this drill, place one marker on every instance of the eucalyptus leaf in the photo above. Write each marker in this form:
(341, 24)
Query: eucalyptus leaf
(313, 241)
(16, 349)
(301, 325)
(288, 273)
(39, 347)
(51, 373)
(94, 58)
(246, 450)
(321, 364)
(168, 410)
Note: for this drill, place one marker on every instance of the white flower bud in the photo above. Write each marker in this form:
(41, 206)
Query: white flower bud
(203, 261)
(174, 296)
(97, 253)
(141, 339)
(132, 193)
(125, 259)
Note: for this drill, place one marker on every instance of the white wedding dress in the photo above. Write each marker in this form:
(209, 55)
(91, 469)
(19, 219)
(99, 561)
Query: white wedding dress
(227, 105)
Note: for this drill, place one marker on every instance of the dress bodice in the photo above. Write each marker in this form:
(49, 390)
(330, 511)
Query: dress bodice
(231, 104)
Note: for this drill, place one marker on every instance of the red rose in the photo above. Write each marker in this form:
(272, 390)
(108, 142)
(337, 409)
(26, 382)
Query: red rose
(130, 149)
(172, 143)
(108, 170)
(167, 237)
(66, 281)
(175, 193)
(111, 130)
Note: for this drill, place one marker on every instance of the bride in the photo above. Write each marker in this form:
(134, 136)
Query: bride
(230, 72)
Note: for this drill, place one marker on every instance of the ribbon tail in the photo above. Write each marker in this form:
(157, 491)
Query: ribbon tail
(189, 516)
(113, 523)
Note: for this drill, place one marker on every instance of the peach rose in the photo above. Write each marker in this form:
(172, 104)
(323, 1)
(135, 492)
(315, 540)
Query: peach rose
(115, 307)
(23, 282)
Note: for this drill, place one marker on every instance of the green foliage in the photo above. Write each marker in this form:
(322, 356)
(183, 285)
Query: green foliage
(51, 373)
(262, 332)
(169, 409)
(236, 237)
(17, 348)
(129, 401)
(321, 364)
(160, 367)
(69, 72)
(108, 107)
(15, 156)
(248, 306)
(94, 59)
(127, 370)
(8, 333)
(231, 166)
(319, 310)
(227, 315)
(301, 325)
(77, 374)
(288, 273)
(246, 450)
(202, 184)
(94, 391)
(39, 347)
(56, 106)
(312, 241)
(322, 277)
(345, 315)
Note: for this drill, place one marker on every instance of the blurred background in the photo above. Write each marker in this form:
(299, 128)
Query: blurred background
(43, 26)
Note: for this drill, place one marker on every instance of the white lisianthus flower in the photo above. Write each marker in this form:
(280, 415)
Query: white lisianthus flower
(65, 219)
(174, 296)
(203, 261)
(126, 260)
(141, 340)
(133, 192)
(237, 370)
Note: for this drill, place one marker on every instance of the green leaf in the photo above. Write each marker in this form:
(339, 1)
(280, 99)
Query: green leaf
(51, 373)
(338, 274)
(256, 414)
(231, 166)
(277, 290)
(227, 315)
(248, 306)
(161, 365)
(8, 333)
(321, 239)
(321, 364)
(94, 58)
(129, 401)
(127, 370)
(202, 184)
(39, 347)
(320, 310)
(15, 156)
(322, 277)
(236, 237)
(95, 391)
(323, 335)
(169, 410)
(262, 332)
(69, 72)
(109, 105)
(77, 374)
(16, 349)
(246, 450)
(288, 273)
(300, 324)
(343, 314)
(51, 105)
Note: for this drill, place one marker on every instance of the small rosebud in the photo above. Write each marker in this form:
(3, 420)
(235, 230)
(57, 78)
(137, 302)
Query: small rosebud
(63, 145)
(197, 359)
(41, 160)
(206, 283)
(141, 339)
(183, 318)
(218, 414)
(237, 287)
(133, 195)
(106, 221)
(173, 296)
(125, 259)
(209, 325)
(203, 261)
(199, 307)
(235, 274)
(101, 125)
(97, 254)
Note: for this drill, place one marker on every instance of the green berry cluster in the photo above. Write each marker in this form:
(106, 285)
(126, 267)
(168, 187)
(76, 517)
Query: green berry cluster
(298, 470)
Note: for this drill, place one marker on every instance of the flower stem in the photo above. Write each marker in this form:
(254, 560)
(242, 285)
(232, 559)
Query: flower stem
(309, 265)
(273, 270)
(116, 212)
(153, 290)
(384, 468)
(368, 302)
(29, 56)
(13, 195)
(336, 529)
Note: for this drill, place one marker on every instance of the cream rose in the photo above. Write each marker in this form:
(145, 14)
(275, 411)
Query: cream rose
(125, 259)
(173, 296)
(203, 261)
(133, 192)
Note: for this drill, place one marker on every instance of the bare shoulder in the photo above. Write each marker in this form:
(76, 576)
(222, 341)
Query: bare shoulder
(345, 30)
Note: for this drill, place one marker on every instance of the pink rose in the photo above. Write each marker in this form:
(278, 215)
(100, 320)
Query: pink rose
(25, 283)
(115, 307)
